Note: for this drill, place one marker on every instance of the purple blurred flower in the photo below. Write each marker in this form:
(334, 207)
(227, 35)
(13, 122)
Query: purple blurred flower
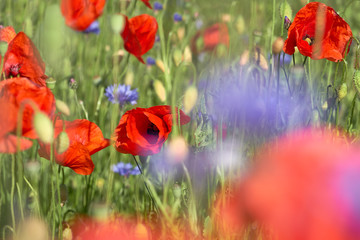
(158, 6)
(93, 28)
(150, 61)
(177, 17)
(121, 94)
(125, 169)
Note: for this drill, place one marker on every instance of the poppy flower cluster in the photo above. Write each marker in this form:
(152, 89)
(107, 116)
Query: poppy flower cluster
(318, 32)
(81, 15)
(22, 58)
(143, 131)
(308, 192)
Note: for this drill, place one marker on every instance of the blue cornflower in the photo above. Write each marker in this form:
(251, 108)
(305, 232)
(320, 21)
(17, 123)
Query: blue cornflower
(150, 61)
(125, 169)
(121, 94)
(93, 28)
(158, 6)
(177, 17)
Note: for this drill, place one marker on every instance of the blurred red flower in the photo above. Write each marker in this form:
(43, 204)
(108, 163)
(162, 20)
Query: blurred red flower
(16, 94)
(79, 14)
(85, 139)
(147, 3)
(143, 131)
(139, 35)
(328, 39)
(212, 36)
(22, 58)
(303, 187)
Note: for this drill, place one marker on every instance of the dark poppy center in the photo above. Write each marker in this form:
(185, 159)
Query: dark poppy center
(152, 133)
(14, 70)
(308, 39)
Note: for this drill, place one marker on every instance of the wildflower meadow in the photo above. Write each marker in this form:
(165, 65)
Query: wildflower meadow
(179, 119)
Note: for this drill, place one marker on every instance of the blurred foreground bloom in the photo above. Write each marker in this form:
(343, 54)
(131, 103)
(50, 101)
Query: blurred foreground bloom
(303, 187)
(81, 14)
(20, 96)
(121, 94)
(143, 131)
(328, 39)
(22, 58)
(85, 139)
(139, 35)
(125, 169)
(110, 230)
(211, 36)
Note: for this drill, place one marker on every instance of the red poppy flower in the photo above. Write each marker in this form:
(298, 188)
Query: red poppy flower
(212, 37)
(139, 35)
(143, 131)
(147, 3)
(328, 39)
(22, 58)
(15, 94)
(79, 14)
(85, 139)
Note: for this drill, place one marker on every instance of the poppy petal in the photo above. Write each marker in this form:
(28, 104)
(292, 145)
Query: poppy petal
(7, 34)
(147, 3)
(9, 143)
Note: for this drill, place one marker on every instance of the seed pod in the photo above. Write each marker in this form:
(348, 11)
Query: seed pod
(177, 57)
(342, 91)
(356, 80)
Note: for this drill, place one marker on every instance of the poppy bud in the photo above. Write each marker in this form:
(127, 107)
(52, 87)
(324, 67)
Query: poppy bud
(356, 80)
(129, 78)
(160, 65)
(278, 45)
(62, 107)
(160, 90)
(28, 28)
(342, 91)
(117, 23)
(324, 106)
(285, 10)
(190, 99)
(43, 127)
(187, 55)
(240, 24)
(181, 33)
(177, 57)
(67, 234)
(226, 18)
(62, 142)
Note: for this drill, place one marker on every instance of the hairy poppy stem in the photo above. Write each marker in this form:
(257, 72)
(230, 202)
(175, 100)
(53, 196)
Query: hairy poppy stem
(146, 186)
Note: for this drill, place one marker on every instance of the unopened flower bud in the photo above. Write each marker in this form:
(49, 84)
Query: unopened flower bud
(356, 80)
(177, 57)
(160, 90)
(117, 23)
(62, 107)
(342, 91)
(43, 127)
(190, 99)
(278, 45)
(62, 142)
